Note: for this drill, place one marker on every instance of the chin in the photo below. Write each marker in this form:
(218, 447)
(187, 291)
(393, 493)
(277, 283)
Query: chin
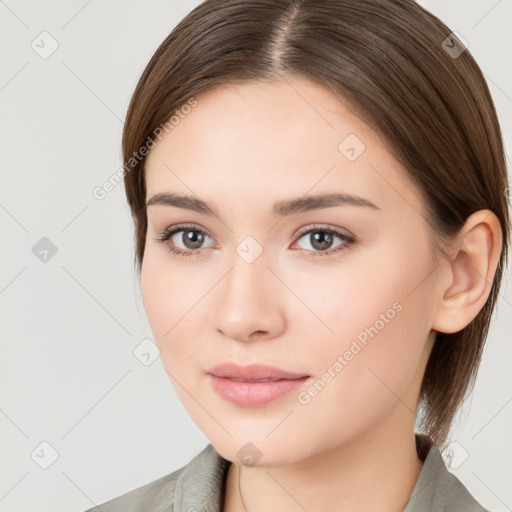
(258, 453)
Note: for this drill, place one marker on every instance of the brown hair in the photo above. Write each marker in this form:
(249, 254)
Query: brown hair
(395, 64)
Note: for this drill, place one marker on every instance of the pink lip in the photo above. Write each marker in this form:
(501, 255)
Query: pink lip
(236, 384)
(253, 372)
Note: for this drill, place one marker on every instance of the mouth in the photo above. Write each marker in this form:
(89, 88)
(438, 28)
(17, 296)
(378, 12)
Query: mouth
(254, 380)
(254, 373)
(254, 385)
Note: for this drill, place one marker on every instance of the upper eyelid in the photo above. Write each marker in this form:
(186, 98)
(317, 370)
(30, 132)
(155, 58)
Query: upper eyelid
(336, 230)
(342, 232)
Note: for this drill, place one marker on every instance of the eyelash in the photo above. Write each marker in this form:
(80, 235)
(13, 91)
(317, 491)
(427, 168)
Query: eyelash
(169, 232)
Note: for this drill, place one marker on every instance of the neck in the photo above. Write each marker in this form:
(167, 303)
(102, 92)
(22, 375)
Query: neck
(376, 471)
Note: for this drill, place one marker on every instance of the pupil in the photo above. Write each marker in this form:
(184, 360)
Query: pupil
(321, 240)
(193, 238)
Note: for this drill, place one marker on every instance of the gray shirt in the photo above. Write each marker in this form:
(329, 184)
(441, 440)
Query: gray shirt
(200, 485)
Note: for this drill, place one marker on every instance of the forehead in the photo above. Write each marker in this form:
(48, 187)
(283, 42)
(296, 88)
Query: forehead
(278, 139)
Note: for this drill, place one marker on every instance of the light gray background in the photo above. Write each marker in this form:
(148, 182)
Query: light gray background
(70, 325)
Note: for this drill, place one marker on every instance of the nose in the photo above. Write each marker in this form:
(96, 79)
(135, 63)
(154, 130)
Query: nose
(249, 301)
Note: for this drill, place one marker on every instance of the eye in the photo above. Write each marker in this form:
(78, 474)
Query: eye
(321, 240)
(192, 238)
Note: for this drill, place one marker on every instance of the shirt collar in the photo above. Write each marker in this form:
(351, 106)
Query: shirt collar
(201, 485)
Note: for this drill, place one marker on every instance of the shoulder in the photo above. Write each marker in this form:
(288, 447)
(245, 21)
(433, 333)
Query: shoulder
(437, 488)
(456, 496)
(148, 497)
(158, 495)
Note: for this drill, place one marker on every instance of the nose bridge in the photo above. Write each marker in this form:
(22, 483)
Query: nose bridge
(248, 270)
(246, 303)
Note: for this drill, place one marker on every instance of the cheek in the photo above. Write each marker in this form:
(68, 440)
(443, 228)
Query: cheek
(373, 312)
(169, 298)
(155, 285)
(366, 289)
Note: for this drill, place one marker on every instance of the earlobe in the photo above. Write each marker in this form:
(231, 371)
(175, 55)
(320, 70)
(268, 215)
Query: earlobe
(466, 282)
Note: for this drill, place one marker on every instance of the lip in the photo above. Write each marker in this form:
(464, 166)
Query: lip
(253, 372)
(237, 385)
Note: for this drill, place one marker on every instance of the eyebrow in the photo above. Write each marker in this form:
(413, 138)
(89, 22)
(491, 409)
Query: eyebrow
(279, 209)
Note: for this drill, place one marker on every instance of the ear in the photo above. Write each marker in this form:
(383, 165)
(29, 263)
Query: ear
(465, 284)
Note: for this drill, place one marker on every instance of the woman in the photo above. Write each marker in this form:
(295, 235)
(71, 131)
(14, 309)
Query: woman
(321, 232)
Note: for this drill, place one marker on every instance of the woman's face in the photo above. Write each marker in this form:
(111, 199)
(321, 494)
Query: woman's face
(353, 311)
